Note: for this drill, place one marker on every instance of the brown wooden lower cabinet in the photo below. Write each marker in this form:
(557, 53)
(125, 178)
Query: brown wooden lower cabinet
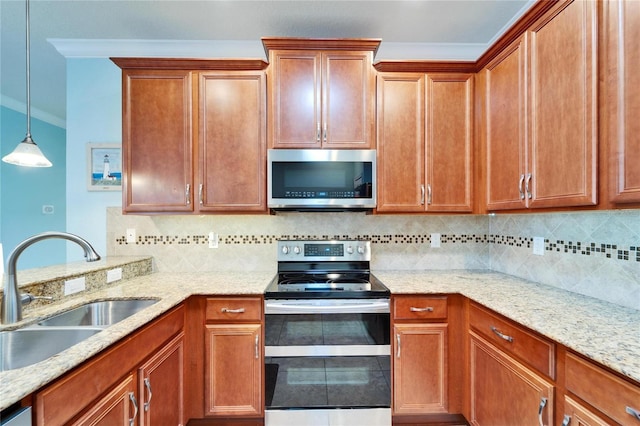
(420, 369)
(112, 388)
(115, 408)
(233, 357)
(575, 414)
(504, 391)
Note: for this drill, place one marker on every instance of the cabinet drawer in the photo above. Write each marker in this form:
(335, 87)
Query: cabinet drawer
(536, 351)
(606, 392)
(419, 307)
(234, 309)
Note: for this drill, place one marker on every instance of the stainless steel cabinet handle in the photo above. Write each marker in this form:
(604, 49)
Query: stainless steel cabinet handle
(527, 186)
(200, 194)
(398, 345)
(147, 384)
(521, 186)
(422, 195)
(501, 335)
(426, 309)
(543, 403)
(257, 345)
(187, 194)
(429, 194)
(318, 133)
(232, 311)
(324, 132)
(132, 398)
(635, 413)
(566, 420)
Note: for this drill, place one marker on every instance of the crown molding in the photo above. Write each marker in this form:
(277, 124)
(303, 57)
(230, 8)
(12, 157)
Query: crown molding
(225, 49)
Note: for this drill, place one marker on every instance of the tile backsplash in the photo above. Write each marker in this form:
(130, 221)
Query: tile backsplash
(592, 253)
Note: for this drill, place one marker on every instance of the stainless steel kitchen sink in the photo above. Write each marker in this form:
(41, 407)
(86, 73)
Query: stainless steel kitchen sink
(27, 346)
(99, 314)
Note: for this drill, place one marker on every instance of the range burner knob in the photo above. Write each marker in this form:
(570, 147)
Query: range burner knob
(360, 249)
(349, 249)
(285, 250)
(296, 250)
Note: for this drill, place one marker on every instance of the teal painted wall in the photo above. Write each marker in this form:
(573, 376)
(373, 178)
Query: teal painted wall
(24, 190)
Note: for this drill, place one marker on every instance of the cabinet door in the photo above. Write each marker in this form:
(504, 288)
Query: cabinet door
(622, 109)
(503, 391)
(400, 133)
(506, 94)
(575, 414)
(157, 146)
(563, 115)
(117, 407)
(449, 142)
(161, 386)
(348, 100)
(233, 370)
(296, 105)
(420, 368)
(232, 142)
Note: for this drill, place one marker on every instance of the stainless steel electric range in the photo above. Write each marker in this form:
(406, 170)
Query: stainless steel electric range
(327, 338)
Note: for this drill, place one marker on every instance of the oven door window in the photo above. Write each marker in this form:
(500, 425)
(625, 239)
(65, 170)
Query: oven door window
(322, 382)
(327, 329)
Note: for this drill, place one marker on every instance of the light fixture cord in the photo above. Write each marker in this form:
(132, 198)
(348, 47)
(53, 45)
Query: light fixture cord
(28, 76)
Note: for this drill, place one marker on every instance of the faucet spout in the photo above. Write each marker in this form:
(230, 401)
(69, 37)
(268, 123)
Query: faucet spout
(11, 301)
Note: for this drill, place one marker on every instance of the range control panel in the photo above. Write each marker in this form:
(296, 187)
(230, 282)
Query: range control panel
(306, 250)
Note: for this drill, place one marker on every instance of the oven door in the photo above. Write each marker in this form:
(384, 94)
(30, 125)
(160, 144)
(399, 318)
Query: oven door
(327, 354)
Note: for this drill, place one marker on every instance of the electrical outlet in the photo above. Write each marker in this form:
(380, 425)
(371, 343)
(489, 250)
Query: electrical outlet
(538, 246)
(74, 286)
(131, 235)
(114, 275)
(435, 240)
(213, 240)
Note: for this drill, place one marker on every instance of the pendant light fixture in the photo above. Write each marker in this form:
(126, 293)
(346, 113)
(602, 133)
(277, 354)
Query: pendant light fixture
(27, 152)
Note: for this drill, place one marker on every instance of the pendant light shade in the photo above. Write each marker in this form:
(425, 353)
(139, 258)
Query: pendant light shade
(27, 152)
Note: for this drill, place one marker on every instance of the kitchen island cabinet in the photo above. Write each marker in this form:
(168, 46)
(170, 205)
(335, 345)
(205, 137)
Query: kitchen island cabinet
(425, 142)
(322, 93)
(115, 387)
(541, 113)
(194, 136)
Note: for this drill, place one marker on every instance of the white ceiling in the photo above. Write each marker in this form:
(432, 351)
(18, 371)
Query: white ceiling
(427, 29)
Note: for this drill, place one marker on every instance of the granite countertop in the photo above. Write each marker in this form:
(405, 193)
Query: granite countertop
(604, 332)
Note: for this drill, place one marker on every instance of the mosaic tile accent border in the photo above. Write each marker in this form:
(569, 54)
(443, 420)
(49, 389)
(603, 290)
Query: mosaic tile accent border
(610, 251)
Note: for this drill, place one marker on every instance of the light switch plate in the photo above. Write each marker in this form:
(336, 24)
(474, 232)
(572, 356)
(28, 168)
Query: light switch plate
(75, 285)
(538, 246)
(213, 240)
(131, 235)
(114, 275)
(435, 240)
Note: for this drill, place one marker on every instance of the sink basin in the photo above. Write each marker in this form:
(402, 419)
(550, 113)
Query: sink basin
(26, 346)
(99, 314)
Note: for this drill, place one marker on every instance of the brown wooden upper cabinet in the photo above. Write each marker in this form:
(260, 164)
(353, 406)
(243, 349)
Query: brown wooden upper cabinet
(425, 142)
(194, 136)
(321, 92)
(541, 113)
(622, 98)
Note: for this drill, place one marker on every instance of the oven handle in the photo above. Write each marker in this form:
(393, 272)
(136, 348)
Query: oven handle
(299, 307)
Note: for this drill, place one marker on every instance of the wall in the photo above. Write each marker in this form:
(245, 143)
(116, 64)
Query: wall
(24, 190)
(94, 114)
(591, 253)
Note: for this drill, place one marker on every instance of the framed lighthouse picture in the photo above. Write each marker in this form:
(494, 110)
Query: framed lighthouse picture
(104, 164)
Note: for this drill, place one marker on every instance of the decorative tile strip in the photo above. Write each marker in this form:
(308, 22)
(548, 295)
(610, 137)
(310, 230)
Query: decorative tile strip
(610, 251)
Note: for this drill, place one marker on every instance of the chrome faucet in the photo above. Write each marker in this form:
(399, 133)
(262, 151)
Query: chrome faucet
(12, 301)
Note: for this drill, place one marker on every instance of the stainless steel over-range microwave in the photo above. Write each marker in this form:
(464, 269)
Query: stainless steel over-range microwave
(321, 179)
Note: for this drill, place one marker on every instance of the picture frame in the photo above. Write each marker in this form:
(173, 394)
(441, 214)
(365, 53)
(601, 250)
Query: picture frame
(104, 167)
